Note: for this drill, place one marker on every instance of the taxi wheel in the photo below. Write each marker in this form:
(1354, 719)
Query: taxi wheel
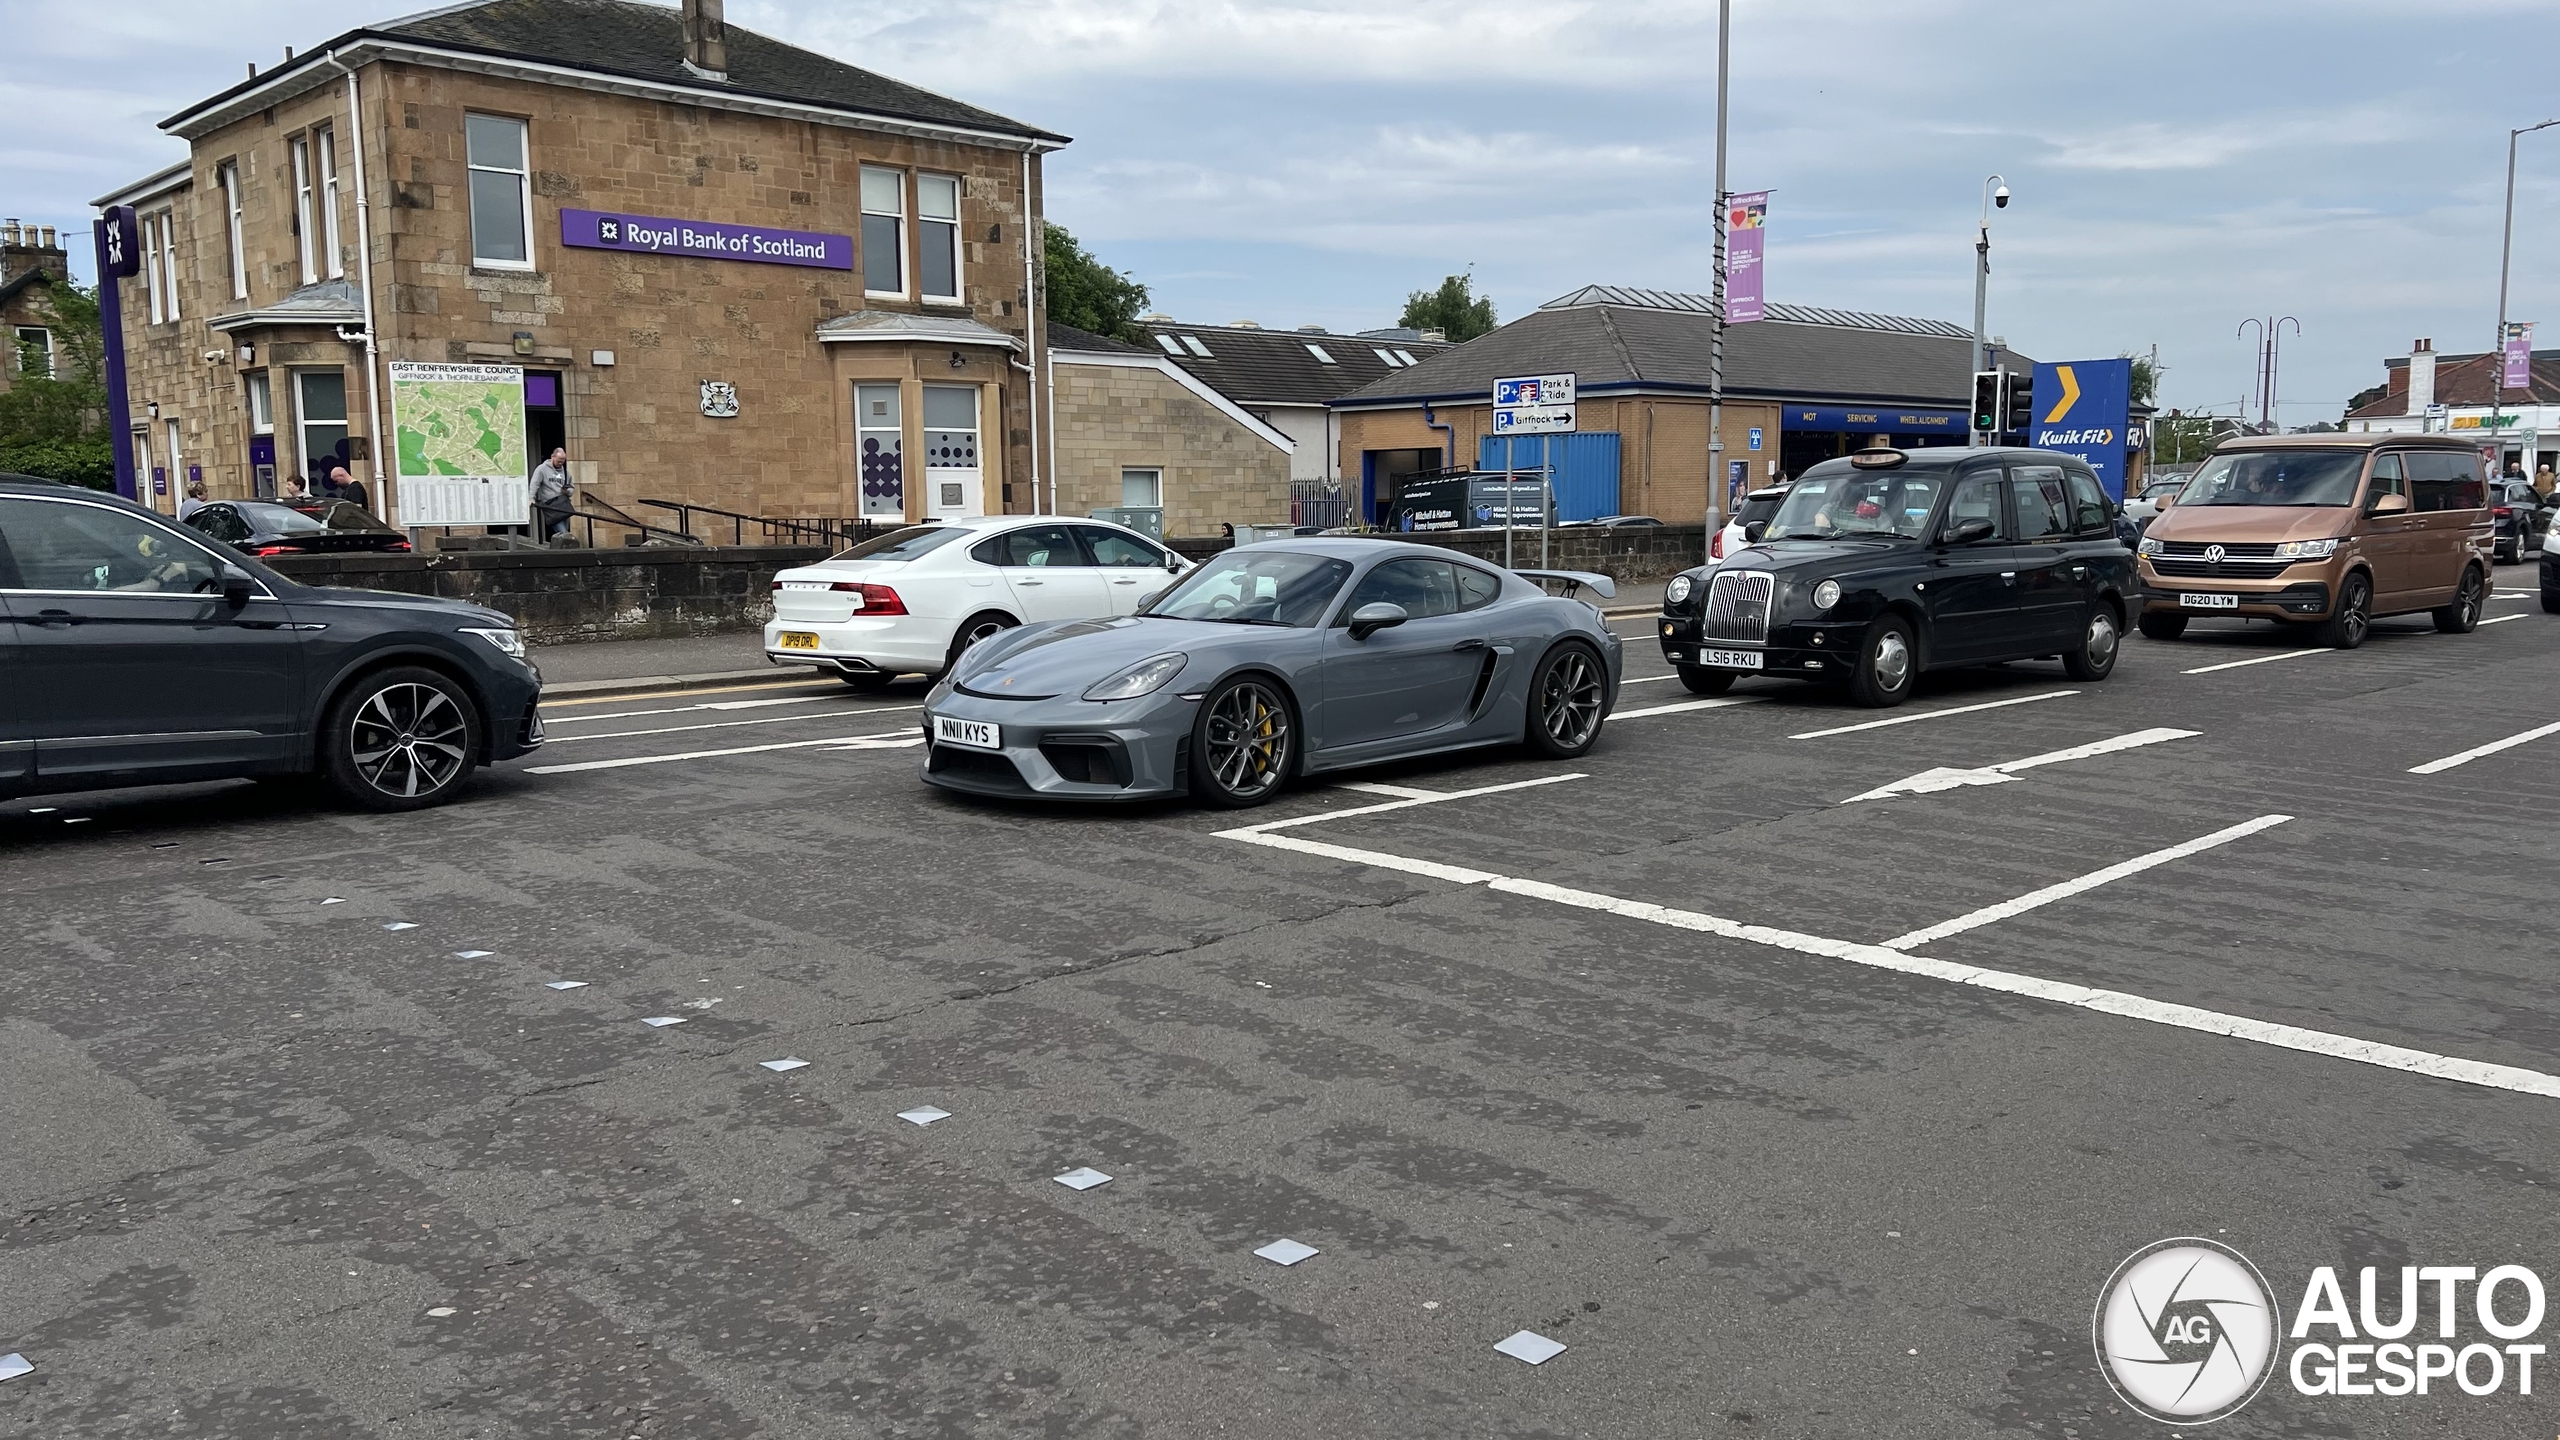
(1699, 680)
(1888, 663)
(2347, 626)
(2100, 639)
(2463, 615)
(2162, 624)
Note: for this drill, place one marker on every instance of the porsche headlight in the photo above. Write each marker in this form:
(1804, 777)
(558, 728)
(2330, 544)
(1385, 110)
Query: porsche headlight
(2306, 549)
(1677, 592)
(1144, 678)
(1826, 594)
(2150, 546)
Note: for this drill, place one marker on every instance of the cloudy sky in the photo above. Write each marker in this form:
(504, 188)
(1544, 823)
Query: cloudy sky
(2178, 165)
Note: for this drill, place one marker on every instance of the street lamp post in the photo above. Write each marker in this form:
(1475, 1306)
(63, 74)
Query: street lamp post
(1995, 194)
(2506, 249)
(1715, 321)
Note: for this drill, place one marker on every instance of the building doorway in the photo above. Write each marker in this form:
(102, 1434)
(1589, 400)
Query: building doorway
(1382, 477)
(955, 482)
(546, 421)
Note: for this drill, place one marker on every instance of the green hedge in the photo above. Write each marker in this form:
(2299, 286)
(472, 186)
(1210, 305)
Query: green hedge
(74, 462)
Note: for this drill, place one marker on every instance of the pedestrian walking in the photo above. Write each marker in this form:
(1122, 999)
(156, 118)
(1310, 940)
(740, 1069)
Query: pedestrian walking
(2542, 481)
(551, 494)
(193, 501)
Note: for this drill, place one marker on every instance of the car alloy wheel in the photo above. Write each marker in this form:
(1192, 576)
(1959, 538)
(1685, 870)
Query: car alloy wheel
(1246, 742)
(1570, 693)
(974, 631)
(408, 740)
(2345, 629)
(2463, 615)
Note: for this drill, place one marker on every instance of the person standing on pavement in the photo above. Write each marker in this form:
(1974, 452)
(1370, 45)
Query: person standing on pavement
(347, 487)
(551, 494)
(193, 500)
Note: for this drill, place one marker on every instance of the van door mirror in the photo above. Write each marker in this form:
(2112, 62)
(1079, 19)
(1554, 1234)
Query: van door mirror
(1966, 532)
(2388, 503)
(2164, 500)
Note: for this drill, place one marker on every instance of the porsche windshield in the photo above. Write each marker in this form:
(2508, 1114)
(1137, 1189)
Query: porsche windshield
(1256, 587)
(2277, 477)
(1893, 505)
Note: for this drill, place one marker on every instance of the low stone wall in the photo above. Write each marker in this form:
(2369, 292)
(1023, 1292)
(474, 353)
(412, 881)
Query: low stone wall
(565, 596)
(1627, 553)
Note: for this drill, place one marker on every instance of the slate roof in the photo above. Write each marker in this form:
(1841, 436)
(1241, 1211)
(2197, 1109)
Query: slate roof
(1275, 367)
(1853, 358)
(1068, 337)
(646, 42)
(2464, 380)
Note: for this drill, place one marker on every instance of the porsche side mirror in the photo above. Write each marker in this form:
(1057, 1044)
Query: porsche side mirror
(236, 586)
(1752, 532)
(1375, 616)
(1965, 532)
(2387, 503)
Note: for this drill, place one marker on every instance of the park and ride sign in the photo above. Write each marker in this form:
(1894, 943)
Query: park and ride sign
(1533, 405)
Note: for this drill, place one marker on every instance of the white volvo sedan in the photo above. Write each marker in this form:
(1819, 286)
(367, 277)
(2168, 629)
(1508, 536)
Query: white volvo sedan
(908, 602)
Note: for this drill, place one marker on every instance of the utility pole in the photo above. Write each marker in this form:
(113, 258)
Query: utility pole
(2498, 355)
(1715, 322)
(1991, 197)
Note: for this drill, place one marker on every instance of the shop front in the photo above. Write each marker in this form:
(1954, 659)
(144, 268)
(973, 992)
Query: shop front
(1810, 434)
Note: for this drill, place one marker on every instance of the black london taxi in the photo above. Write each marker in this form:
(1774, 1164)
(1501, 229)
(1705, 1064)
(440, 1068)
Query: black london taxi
(1885, 563)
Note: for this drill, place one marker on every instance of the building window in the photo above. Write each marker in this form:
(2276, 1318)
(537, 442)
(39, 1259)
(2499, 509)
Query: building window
(177, 465)
(306, 230)
(151, 267)
(1142, 489)
(1171, 345)
(262, 405)
(332, 262)
(884, 232)
(501, 192)
(169, 259)
(320, 405)
(938, 236)
(35, 351)
(879, 445)
(1318, 351)
(230, 173)
(1196, 348)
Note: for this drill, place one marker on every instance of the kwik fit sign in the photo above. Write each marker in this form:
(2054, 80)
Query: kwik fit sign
(705, 239)
(2085, 408)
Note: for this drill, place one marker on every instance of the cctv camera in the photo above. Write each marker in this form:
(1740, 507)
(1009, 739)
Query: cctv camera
(2000, 198)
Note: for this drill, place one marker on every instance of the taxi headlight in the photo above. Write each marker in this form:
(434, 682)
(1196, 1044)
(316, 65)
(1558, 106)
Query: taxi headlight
(2150, 546)
(2306, 549)
(1677, 592)
(1826, 594)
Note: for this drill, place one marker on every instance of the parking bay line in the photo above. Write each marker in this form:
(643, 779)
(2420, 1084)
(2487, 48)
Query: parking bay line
(2257, 660)
(672, 694)
(730, 724)
(630, 760)
(1929, 782)
(691, 709)
(2034, 899)
(1681, 706)
(2503, 619)
(1410, 799)
(2436, 767)
(1933, 714)
(2084, 997)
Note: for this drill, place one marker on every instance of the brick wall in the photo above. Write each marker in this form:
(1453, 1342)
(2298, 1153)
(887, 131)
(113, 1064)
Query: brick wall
(1630, 553)
(1662, 452)
(564, 596)
(1216, 471)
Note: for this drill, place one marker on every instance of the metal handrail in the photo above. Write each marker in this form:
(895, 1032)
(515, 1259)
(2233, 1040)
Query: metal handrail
(611, 514)
(778, 529)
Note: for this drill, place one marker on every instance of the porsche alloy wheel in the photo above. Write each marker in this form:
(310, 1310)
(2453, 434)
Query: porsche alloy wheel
(1565, 701)
(1245, 744)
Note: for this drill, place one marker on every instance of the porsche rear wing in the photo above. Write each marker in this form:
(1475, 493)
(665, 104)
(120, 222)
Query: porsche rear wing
(1573, 581)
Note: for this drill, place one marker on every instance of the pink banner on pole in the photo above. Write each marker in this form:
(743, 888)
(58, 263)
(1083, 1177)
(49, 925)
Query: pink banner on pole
(2519, 365)
(1746, 220)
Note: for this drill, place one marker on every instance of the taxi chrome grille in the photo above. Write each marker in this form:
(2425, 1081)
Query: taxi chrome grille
(1738, 606)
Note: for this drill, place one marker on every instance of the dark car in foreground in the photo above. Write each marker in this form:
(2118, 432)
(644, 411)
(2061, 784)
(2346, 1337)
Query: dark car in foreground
(1883, 564)
(1276, 660)
(140, 653)
(265, 528)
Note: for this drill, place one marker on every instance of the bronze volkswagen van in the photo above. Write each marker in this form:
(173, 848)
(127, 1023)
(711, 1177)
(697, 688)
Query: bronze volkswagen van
(2325, 531)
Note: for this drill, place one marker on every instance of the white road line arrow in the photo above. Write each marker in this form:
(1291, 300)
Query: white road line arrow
(1929, 782)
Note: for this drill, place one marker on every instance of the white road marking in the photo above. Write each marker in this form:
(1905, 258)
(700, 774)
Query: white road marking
(1929, 782)
(899, 744)
(1420, 797)
(689, 709)
(1679, 707)
(2107, 1002)
(2503, 619)
(732, 724)
(2259, 660)
(705, 754)
(2433, 767)
(1400, 792)
(1646, 680)
(1933, 714)
(2091, 881)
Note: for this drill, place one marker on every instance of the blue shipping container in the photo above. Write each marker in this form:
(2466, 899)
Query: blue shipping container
(1586, 468)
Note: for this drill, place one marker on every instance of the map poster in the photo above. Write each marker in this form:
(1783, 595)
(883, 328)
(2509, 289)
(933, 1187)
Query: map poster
(459, 445)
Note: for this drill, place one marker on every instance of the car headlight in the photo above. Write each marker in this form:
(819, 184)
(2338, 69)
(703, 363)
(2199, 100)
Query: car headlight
(509, 642)
(1677, 592)
(1144, 678)
(2554, 527)
(2306, 549)
(2150, 546)
(1826, 594)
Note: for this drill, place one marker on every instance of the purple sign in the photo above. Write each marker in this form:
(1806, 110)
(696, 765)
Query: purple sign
(2519, 361)
(1746, 219)
(704, 239)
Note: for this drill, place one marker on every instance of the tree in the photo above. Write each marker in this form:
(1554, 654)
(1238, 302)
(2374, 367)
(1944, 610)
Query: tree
(1454, 308)
(55, 426)
(1087, 294)
(2146, 379)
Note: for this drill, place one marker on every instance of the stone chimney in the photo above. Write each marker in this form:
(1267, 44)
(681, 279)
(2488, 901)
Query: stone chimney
(31, 247)
(706, 40)
(2422, 376)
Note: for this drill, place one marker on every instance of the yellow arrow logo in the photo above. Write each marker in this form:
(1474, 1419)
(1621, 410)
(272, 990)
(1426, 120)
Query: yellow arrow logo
(2070, 394)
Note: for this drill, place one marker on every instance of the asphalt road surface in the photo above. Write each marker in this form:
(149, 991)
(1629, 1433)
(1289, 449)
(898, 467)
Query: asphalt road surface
(1782, 1111)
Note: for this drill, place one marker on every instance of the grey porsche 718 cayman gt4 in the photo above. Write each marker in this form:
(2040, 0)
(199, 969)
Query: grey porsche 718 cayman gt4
(1276, 660)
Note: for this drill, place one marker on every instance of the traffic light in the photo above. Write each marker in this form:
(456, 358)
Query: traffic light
(2020, 416)
(1990, 389)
